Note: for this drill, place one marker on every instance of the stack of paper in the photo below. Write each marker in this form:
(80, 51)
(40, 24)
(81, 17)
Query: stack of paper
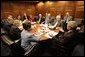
(33, 22)
(51, 34)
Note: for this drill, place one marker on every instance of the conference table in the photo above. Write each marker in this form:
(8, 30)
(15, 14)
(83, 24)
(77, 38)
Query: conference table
(43, 32)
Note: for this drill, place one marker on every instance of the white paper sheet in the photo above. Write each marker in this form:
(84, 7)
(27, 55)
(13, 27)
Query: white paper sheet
(51, 34)
(33, 22)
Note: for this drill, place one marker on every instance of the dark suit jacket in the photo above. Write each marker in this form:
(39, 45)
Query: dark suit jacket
(15, 33)
(37, 19)
(42, 20)
(78, 50)
(7, 26)
(70, 39)
(25, 18)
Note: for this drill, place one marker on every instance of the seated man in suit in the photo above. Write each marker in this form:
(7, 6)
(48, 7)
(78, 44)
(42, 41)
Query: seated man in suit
(25, 17)
(70, 38)
(56, 23)
(8, 23)
(41, 19)
(31, 18)
(26, 36)
(47, 18)
(20, 19)
(26, 20)
(15, 31)
(67, 18)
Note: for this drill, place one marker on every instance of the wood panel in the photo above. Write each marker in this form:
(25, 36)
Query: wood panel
(6, 9)
(75, 8)
(79, 13)
(16, 8)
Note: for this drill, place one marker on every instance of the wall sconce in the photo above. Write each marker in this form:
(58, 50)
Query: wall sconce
(49, 3)
(40, 4)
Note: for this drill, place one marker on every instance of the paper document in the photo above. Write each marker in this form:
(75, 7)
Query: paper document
(51, 34)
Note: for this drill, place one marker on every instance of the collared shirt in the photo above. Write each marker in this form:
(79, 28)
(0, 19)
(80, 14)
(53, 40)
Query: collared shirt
(26, 38)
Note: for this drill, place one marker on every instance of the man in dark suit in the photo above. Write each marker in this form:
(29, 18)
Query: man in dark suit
(8, 23)
(41, 19)
(67, 18)
(70, 38)
(15, 31)
(47, 18)
(71, 33)
(25, 17)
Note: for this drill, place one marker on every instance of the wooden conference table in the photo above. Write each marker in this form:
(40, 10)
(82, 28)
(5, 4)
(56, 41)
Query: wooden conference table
(38, 29)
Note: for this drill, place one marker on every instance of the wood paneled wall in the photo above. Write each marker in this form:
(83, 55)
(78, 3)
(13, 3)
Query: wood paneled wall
(17, 8)
(79, 11)
(75, 8)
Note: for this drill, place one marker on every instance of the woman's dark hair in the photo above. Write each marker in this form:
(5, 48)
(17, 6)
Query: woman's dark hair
(27, 25)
